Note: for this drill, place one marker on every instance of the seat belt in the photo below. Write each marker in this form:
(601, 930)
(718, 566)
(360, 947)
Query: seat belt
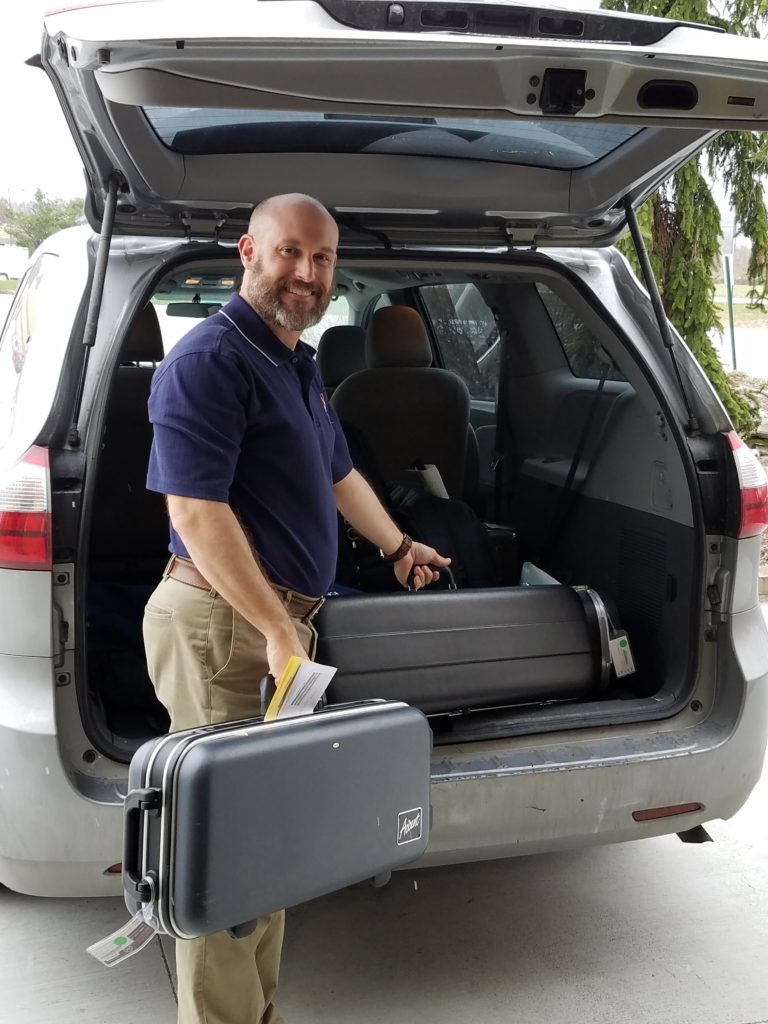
(568, 494)
(499, 444)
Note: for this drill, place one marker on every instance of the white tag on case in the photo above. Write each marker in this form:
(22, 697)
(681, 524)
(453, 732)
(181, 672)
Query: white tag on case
(126, 941)
(621, 654)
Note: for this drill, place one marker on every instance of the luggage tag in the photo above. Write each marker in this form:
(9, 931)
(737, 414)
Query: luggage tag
(130, 939)
(621, 653)
(619, 649)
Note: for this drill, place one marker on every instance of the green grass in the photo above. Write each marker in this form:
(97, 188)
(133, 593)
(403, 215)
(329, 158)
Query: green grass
(8, 286)
(740, 291)
(743, 316)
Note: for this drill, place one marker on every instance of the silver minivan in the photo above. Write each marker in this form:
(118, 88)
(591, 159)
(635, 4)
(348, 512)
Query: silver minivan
(481, 159)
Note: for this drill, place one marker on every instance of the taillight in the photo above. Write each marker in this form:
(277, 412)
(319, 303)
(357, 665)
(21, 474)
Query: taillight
(753, 488)
(25, 513)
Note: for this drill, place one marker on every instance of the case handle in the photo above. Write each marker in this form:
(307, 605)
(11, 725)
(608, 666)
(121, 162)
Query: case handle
(136, 803)
(437, 568)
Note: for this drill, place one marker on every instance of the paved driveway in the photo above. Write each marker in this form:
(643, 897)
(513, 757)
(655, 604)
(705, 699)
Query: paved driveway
(656, 932)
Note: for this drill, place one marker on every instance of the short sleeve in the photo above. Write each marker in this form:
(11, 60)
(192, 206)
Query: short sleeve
(198, 409)
(341, 462)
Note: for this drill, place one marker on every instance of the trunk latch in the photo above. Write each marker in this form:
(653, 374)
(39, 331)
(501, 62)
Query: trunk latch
(562, 91)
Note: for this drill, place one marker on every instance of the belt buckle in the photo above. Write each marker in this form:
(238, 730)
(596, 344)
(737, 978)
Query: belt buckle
(315, 608)
(290, 597)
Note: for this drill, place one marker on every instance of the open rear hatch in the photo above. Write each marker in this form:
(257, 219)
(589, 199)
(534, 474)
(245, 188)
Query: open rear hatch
(422, 133)
(384, 111)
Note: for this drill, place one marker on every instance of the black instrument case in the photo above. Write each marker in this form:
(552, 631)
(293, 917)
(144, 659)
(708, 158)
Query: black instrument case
(445, 651)
(227, 823)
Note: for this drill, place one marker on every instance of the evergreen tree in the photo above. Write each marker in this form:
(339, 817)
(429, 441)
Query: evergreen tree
(681, 222)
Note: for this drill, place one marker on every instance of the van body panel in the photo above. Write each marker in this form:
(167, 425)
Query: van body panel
(26, 601)
(52, 841)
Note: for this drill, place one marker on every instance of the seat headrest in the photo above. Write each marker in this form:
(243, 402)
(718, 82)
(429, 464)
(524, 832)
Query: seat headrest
(397, 337)
(340, 353)
(144, 343)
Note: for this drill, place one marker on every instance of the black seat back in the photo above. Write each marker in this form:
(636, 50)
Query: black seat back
(129, 536)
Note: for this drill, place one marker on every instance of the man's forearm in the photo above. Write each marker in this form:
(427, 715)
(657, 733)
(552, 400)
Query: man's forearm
(357, 502)
(220, 550)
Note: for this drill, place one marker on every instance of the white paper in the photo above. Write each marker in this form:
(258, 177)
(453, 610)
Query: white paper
(307, 686)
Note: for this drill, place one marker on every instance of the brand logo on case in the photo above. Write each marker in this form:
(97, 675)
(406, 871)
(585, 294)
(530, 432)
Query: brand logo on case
(409, 826)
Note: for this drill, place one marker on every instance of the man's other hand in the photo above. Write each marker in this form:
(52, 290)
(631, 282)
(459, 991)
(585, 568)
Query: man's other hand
(280, 649)
(419, 559)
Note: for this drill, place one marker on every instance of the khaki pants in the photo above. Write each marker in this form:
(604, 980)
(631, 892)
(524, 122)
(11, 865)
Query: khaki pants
(205, 661)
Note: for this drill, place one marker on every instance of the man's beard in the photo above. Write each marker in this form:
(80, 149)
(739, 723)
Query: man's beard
(265, 297)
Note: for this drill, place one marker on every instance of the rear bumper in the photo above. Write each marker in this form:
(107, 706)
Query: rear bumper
(581, 789)
(507, 798)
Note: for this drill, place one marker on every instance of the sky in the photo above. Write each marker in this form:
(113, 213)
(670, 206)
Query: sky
(37, 149)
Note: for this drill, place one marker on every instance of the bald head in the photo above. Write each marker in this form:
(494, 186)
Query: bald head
(289, 256)
(288, 206)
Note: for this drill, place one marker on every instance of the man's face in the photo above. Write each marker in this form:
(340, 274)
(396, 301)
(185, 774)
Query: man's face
(289, 268)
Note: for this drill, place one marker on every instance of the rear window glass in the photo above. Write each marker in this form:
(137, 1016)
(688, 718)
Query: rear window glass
(580, 346)
(466, 334)
(337, 315)
(177, 318)
(531, 143)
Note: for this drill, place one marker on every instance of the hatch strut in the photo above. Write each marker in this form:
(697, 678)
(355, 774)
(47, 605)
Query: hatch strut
(658, 308)
(97, 291)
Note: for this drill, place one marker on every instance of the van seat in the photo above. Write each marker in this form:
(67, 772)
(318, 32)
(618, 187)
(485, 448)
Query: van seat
(407, 409)
(340, 353)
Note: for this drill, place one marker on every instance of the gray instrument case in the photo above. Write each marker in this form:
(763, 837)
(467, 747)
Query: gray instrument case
(227, 823)
(448, 650)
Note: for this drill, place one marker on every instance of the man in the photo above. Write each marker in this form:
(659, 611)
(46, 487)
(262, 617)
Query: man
(254, 466)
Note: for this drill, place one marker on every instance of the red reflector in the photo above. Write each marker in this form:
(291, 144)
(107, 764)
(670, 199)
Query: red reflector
(665, 812)
(114, 869)
(25, 540)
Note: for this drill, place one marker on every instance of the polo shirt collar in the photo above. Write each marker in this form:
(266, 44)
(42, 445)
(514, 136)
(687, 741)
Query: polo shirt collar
(252, 328)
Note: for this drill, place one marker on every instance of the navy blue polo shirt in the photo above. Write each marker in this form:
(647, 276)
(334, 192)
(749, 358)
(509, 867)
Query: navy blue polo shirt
(240, 418)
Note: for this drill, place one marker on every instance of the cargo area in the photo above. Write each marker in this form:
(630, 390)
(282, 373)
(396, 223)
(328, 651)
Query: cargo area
(569, 512)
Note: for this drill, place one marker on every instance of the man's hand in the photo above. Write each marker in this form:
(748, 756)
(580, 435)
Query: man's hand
(280, 649)
(360, 507)
(419, 559)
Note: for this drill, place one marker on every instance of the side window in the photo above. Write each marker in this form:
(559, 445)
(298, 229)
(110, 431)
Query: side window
(579, 344)
(17, 337)
(466, 334)
(173, 327)
(337, 314)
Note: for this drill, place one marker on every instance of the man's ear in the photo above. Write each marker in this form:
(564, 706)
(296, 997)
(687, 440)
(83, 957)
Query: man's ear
(246, 250)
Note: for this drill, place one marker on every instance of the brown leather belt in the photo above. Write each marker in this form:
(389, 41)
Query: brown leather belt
(298, 606)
